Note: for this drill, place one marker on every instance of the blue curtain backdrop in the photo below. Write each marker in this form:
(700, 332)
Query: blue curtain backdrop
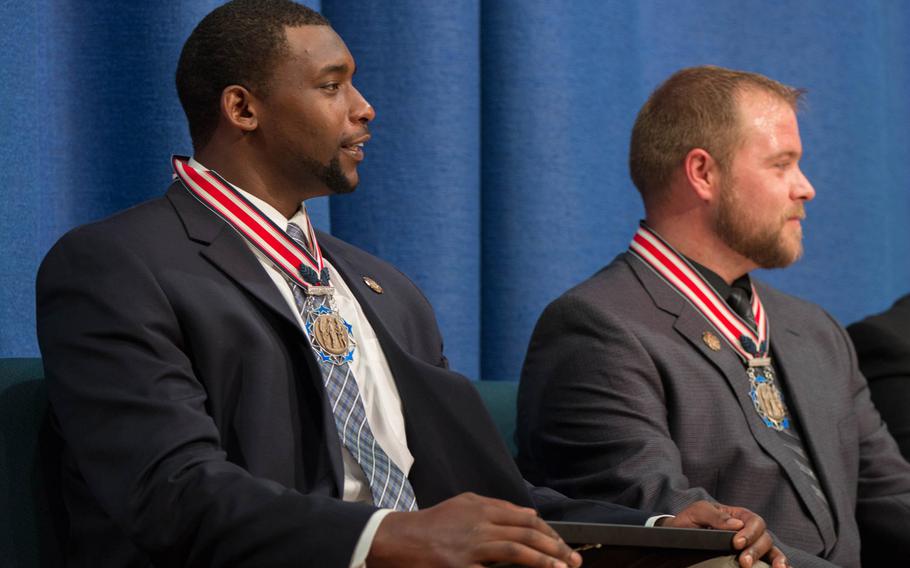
(496, 177)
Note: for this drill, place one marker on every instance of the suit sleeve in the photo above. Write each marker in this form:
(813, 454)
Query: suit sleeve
(554, 506)
(592, 415)
(134, 417)
(883, 491)
(592, 418)
(883, 349)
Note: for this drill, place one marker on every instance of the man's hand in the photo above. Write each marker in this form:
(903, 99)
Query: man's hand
(469, 530)
(751, 537)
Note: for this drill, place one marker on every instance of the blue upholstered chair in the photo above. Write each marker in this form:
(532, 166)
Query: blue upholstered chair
(499, 396)
(27, 453)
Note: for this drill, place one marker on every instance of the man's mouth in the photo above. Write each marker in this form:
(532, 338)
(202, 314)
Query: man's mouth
(354, 148)
(797, 214)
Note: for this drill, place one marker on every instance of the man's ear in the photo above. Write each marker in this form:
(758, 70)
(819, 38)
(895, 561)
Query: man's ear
(703, 174)
(239, 108)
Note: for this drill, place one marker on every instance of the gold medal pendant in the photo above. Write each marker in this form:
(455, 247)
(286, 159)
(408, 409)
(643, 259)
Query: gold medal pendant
(331, 337)
(767, 398)
(331, 333)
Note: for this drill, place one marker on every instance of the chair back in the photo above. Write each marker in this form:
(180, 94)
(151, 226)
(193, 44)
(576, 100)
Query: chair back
(501, 399)
(28, 538)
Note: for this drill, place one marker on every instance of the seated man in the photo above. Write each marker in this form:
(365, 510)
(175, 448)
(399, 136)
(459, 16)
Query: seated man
(659, 382)
(883, 348)
(236, 389)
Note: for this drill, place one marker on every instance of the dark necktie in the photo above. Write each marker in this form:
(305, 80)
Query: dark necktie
(739, 299)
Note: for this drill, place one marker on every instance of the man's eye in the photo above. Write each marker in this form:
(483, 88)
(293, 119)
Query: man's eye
(331, 86)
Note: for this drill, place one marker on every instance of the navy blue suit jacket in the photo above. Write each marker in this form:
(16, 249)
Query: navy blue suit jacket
(195, 427)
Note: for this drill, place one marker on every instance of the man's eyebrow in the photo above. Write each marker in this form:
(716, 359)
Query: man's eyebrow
(785, 154)
(335, 68)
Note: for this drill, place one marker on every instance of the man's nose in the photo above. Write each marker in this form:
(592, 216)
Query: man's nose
(361, 110)
(803, 188)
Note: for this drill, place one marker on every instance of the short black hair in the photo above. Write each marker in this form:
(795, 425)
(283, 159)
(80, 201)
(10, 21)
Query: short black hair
(239, 43)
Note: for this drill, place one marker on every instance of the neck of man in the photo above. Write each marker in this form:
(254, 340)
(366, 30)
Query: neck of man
(240, 167)
(694, 237)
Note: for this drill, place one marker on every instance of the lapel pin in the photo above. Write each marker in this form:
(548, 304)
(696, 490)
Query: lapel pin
(711, 341)
(373, 285)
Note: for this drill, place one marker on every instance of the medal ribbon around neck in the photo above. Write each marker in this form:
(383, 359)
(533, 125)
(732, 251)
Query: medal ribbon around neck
(663, 259)
(300, 265)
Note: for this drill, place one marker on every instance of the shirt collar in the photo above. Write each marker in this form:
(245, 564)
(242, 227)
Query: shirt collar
(718, 283)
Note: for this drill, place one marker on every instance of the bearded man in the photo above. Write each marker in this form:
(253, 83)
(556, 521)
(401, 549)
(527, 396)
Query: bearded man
(234, 388)
(657, 383)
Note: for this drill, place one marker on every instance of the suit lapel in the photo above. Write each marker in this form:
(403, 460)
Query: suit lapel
(354, 279)
(399, 361)
(802, 398)
(376, 311)
(372, 304)
(230, 253)
(695, 328)
(434, 403)
(692, 326)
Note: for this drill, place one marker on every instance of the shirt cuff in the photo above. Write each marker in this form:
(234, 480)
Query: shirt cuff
(650, 522)
(359, 558)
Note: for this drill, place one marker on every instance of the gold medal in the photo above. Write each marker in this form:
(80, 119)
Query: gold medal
(766, 398)
(711, 341)
(331, 337)
(770, 402)
(331, 333)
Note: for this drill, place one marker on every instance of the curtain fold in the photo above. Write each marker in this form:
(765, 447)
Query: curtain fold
(496, 177)
(418, 204)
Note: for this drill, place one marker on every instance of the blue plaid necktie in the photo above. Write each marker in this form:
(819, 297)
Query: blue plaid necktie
(388, 484)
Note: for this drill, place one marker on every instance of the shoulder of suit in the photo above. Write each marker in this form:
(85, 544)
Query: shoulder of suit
(367, 264)
(772, 295)
(885, 336)
(796, 313)
(149, 218)
(895, 319)
(338, 247)
(617, 276)
(612, 288)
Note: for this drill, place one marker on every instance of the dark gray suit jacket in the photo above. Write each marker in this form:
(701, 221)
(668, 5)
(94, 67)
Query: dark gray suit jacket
(883, 347)
(622, 399)
(195, 424)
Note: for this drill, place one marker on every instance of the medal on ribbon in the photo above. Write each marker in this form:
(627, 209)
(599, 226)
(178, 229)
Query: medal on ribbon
(766, 397)
(304, 268)
(751, 345)
(330, 335)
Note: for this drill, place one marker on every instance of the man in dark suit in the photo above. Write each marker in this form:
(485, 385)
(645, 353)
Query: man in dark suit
(657, 382)
(230, 396)
(883, 347)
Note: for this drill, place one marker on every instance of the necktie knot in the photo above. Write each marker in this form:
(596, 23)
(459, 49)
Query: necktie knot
(295, 232)
(739, 301)
(298, 236)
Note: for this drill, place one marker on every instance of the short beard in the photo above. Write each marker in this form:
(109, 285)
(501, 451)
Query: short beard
(738, 228)
(330, 175)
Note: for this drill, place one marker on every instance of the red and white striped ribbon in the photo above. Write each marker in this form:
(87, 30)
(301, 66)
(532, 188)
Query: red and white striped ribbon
(658, 255)
(226, 202)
